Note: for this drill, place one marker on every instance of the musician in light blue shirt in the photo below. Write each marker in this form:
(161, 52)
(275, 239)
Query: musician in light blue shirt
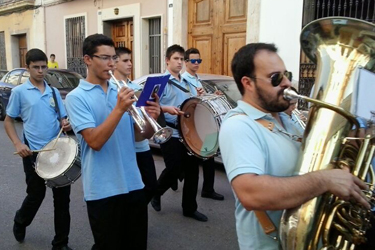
(176, 158)
(193, 60)
(145, 160)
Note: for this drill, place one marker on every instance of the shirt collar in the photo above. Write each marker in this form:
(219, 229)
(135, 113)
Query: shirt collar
(29, 86)
(172, 77)
(85, 85)
(251, 111)
(191, 76)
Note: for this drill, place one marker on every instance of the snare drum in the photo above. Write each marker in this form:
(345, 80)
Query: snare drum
(62, 166)
(199, 126)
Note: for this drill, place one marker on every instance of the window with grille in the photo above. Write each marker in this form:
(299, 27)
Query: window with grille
(155, 45)
(75, 33)
(3, 62)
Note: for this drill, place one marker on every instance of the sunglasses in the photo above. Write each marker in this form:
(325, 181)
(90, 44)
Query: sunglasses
(193, 61)
(277, 78)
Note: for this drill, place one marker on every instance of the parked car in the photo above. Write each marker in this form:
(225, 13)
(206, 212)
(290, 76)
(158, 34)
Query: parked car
(210, 83)
(3, 72)
(63, 80)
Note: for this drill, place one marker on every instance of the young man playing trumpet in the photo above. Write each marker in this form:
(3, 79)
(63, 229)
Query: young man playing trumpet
(112, 183)
(176, 158)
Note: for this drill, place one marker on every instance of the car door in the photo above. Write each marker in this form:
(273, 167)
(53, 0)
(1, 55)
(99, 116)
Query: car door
(11, 80)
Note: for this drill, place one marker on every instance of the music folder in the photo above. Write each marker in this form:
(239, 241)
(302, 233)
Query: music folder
(154, 84)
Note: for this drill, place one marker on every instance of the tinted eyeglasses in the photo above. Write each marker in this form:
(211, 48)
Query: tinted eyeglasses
(193, 61)
(277, 78)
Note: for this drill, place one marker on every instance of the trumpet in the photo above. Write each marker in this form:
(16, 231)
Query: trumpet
(158, 134)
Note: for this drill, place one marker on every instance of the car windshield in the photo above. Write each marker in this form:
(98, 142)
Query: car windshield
(228, 87)
(59, 79)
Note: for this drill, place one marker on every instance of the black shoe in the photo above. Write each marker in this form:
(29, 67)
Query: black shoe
(197, 215)
(213, 195)
(155, 203)
(65, 247)
(174, 186)
(19, 232)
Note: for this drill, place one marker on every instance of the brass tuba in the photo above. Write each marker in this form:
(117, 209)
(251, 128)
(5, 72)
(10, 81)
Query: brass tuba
(339, 46)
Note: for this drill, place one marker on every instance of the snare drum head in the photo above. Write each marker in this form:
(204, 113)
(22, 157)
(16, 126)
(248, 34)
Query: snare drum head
(50, 164)
(200, 129)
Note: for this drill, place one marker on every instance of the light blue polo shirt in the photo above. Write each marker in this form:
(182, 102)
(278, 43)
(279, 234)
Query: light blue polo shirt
(173, 96)
(140, 146)
(37, 110)
(195, 81)
(248, 147)
(113, 170)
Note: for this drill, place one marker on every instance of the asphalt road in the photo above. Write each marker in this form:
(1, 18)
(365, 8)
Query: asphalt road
(168, 229)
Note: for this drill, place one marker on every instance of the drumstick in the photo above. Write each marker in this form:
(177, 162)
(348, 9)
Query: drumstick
(37, 151)
(61, 130)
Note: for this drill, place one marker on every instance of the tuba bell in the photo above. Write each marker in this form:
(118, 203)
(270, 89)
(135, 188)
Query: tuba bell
(339, 46)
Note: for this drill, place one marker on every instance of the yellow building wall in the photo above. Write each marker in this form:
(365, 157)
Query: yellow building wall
(31, 23)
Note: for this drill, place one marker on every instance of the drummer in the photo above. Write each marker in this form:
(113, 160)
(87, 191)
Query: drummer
(177, 161)
(41, 109)
(192, 62)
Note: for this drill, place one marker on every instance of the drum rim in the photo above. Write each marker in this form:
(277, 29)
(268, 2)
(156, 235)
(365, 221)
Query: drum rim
(211, 153)
(76, 156)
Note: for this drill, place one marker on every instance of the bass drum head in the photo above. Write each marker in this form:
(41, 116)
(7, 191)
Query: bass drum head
(50, 164)
(198, 128)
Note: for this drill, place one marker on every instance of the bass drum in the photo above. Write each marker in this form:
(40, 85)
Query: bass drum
(62, 166)
(199, 126)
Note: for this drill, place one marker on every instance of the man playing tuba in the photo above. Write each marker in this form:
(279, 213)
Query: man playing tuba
(260, 150)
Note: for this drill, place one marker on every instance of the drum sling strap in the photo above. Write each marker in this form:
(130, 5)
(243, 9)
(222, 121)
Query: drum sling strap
(263, 218)
(57, 109)
(169, 124)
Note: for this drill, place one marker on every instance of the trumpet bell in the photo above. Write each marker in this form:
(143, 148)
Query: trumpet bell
(162, 135)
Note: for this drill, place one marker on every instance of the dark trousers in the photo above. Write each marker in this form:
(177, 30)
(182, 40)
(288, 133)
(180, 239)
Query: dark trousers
(208, 167)
(119, 222)
(146, 166)
(36, 190)
(177, 161)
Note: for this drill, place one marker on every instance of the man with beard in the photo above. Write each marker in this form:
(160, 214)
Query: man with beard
(260, 153)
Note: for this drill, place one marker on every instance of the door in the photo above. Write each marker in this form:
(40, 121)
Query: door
(218, 29)
(122, 35)
(22, 45)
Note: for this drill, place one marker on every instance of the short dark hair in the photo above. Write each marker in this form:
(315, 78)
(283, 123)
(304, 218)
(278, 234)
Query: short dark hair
(52, 55)
(191, 51)
(243, 61)
(35, 55)
(173, 49)
(123, 50)
(92, 42)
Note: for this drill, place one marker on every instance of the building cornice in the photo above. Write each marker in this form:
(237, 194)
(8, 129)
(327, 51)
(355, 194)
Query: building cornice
(11, 6)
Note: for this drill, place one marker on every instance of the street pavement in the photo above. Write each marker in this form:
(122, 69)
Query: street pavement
(168, 229)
